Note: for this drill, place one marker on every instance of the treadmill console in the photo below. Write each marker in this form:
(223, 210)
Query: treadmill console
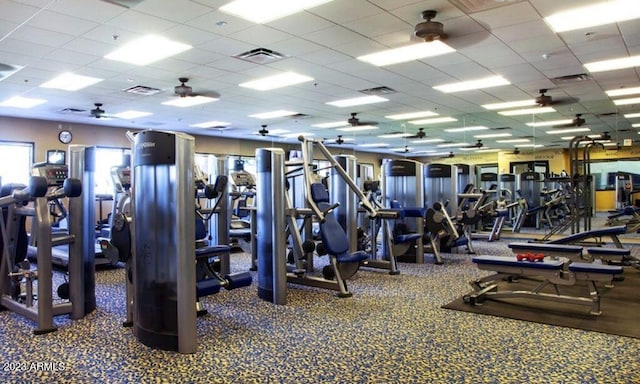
(54, 173)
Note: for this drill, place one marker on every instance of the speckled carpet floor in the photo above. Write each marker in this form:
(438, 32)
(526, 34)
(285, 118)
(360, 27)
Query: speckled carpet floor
(393, 330)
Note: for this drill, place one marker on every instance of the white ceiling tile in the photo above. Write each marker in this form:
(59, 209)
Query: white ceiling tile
(380, 24)
(532, 29)
(57, 22)
(332, 36)
(510, 15)
(96, 11)
(72, 57)
(138, 22)
(261, 35)
(345, 11)
(302, 23)
(41, 36)
(178, 11)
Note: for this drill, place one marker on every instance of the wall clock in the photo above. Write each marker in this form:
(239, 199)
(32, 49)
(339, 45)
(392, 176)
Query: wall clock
(65, 137)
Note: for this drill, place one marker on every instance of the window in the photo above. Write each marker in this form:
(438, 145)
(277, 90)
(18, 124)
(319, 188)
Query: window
(106, 158)
(15, 162)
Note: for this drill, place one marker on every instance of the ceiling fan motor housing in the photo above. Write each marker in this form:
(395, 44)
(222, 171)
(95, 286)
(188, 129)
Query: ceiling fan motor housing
(429, 30)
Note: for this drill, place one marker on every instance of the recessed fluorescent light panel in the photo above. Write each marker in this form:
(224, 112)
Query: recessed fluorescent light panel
(622, 92)
(570, 130)
(407, 53)
(427, 141)
(631, 115)
(487, 150)
(606, 12)
(451, 145)
(549, 123)
(70, 82)
(374, 145)
(633, 100)
(190, 101)
(147, 49)
(211, 124)
(261, 11)
(510, 104)
(357, 128)
(357, 101)
(508, 141)
(487, 82)
(466, 129)
(433, 121)
(492, 135)
(296, 134)
(331, 124)
(394, 135)
(411, 115)
(22, 102)
(613, 64)
(277, 81)
(636, 125)
(531, 145)
(527, 111)
(272, 114)
(131, 114)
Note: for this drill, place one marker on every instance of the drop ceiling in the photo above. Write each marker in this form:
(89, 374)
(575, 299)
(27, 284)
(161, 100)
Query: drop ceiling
(506, 38)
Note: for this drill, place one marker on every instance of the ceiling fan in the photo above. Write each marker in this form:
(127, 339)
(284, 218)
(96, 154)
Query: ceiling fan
(544, 100)
(184, 90)
(430, 30)
(98, 112)
(264, 132)
(577, 121)
(478, 144)
(340, 141)
(515, 151)
(354, 121)
(418, 135)
(449, 156)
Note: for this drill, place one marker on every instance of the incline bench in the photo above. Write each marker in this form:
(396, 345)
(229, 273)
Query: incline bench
(555, 272)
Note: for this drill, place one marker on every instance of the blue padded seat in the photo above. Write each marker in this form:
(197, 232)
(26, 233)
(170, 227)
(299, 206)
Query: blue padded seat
(595, 268)
(535, 209)
(332, 234)
(212, 250)
(513, 262)
(406, 237)
(608, 231)
(502, 213)
(608, 252)
(407, 211)
(541, 247)
(240, 233)
(207, 287)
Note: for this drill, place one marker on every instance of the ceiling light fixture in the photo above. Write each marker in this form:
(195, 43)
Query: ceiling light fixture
(184, 102)
(508, 141)
(407, 53)
(436, 120)
(277, 81)
(427, 141)
(22, 102)
(486, 82)
(527, 111)
(260, 11)
(531, 145)
(510, 104)
(492, 135)
(131, 114)
(357, 101)
(70, 82)
(466, 129)
(147, 49)
(394, 135)
(613, 64)
(272, 114)
(622, 91)
(411, 115)
(570, 130)
(633, 100)
(606, 12)
(450, 145)
(332, 124)
(211, 124)
(631, 115)
(550, 123)
(636, 125)
(357, 128)
(296, 134)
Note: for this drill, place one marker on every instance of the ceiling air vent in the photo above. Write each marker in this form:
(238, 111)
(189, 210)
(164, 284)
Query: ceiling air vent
(377, 91)
(570, 78)
(260, 56)
(142, 90)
